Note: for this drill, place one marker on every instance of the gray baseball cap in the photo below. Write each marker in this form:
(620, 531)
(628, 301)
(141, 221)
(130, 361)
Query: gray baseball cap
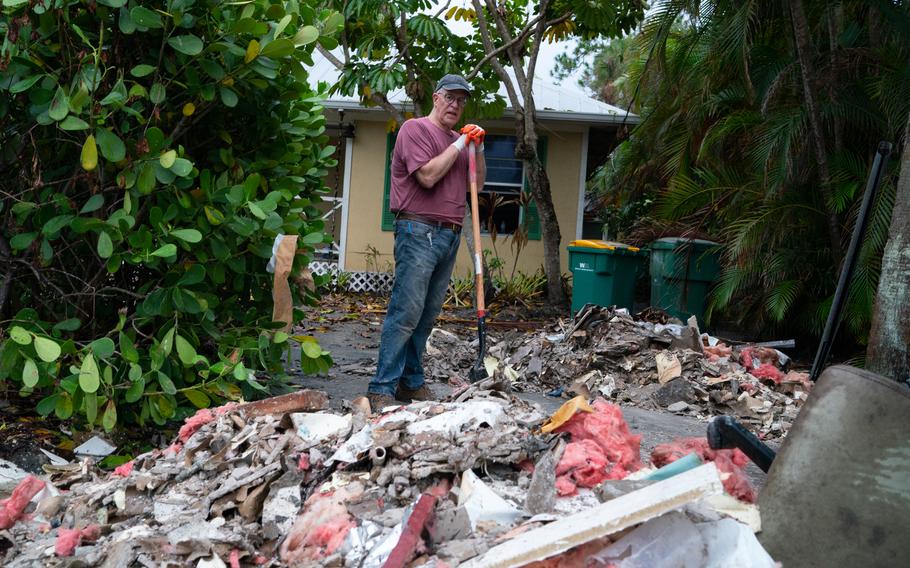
(454, 83)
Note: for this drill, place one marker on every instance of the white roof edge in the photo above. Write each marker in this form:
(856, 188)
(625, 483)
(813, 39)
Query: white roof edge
(545, 114)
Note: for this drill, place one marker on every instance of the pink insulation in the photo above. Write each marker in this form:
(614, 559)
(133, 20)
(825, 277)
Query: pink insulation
(11, 509)
(730, 463)
(601, 447)
(123, 470)
(202, 417)
(769, 372)
(752, 357)
(322, 526)
(718, 351)
(69, 539)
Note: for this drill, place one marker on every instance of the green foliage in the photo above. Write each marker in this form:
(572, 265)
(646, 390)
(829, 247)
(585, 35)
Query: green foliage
(726, 147)
(150, 152)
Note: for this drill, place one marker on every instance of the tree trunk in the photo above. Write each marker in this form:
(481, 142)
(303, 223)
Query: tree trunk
(804, 55)
(887, 353)
(549, 229)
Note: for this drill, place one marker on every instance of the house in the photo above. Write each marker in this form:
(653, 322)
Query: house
(577, 134)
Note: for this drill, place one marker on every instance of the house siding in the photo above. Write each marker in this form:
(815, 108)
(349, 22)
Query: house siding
(364, 231)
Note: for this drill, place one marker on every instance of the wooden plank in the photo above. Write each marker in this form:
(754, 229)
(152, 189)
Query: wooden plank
(605, 519)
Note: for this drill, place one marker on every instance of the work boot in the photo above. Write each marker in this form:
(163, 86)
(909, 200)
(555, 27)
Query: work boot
(423, 392)
(378, 401)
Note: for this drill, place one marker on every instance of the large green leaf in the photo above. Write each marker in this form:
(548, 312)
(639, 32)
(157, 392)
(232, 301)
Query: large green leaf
(185, 351)
(188, 235)
(142, 70)
(60, 105)
(117, 96)
(144, 17)
(56, 224)
(182, 167)
(105, 245)
(25, 84)
(30, 373)
(165, 251)
(22, 240)
(89, 379)
(229, 97)
(102, 347)
(157, 94)
(306, 35)
(109, 419)
(73, 123)
(278, 48)
(48, 350)
(20, 336)
(186, 44)
(111, 145)
(94, 203)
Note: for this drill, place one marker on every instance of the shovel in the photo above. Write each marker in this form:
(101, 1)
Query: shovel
(479, 371)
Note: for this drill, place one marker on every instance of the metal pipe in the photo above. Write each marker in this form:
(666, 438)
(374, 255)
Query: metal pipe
(843, 285)
(378, 455)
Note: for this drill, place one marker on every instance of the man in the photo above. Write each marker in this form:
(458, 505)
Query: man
(429, 179)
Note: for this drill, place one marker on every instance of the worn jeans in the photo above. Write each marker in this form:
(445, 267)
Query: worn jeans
(424, 259)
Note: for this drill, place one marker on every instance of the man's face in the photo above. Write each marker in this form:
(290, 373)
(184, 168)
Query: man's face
(449, 105)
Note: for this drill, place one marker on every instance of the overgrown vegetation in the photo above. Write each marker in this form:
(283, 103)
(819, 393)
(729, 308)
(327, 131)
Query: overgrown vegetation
(760, 123)
(150, 152)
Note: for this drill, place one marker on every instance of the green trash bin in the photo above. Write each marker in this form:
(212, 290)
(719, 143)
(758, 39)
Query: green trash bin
(682, 272)
(603, 273)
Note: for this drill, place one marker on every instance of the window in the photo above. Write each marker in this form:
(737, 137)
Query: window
(502, 191)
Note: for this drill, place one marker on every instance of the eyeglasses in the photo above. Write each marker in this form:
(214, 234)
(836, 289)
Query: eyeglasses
(457, 101)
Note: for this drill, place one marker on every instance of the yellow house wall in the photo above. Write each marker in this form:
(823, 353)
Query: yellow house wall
(371, 248)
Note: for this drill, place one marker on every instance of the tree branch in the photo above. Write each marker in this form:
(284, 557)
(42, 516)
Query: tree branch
(518, 39)
(487, 40)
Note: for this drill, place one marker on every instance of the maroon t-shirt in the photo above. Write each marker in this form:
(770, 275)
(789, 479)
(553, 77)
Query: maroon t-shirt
(419, 141)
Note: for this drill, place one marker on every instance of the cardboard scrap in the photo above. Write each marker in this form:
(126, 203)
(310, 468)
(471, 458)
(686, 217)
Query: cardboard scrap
(668, 367)
(283, 254)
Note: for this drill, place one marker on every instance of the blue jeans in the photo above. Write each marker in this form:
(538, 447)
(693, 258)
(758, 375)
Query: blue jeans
(424, 259)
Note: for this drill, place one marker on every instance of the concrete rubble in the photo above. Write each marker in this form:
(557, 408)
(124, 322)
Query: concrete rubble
(481, 478)
(632, 361)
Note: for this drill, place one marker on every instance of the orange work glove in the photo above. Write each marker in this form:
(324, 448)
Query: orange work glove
(474, 133)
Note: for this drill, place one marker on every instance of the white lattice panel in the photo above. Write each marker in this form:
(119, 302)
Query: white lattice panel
(371, 282)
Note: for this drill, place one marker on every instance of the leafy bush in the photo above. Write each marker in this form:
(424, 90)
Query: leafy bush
(150, 152)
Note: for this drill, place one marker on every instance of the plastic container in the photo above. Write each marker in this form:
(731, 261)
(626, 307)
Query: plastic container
(682, 273)
(603, 273)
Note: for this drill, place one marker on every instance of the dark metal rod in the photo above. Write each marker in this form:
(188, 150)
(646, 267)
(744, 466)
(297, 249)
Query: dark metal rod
(843, 285)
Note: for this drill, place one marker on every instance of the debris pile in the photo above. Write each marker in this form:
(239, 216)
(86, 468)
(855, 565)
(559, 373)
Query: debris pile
(606, 352)
(481, 479)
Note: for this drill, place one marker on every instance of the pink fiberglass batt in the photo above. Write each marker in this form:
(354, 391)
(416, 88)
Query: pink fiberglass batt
(124, 470)
(69, 539)
(718, 351)
(322, 526)
(730, 462)
(768, 371)
(12, 508)
(603, 437)
(583, 463)
(202, 417)
(752, 357)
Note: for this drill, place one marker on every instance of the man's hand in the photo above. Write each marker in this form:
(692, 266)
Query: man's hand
(474, 133)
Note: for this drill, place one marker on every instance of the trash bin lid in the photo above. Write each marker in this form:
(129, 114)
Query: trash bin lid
(670, 243)
(606, 245)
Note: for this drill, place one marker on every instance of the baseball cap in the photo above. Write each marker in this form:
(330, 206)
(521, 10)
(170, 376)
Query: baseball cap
(453, 83)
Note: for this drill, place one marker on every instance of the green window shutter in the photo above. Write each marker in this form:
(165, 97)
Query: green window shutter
(532, 219)
(388, 218)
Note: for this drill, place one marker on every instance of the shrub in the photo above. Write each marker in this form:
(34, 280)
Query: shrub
(150, 152)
